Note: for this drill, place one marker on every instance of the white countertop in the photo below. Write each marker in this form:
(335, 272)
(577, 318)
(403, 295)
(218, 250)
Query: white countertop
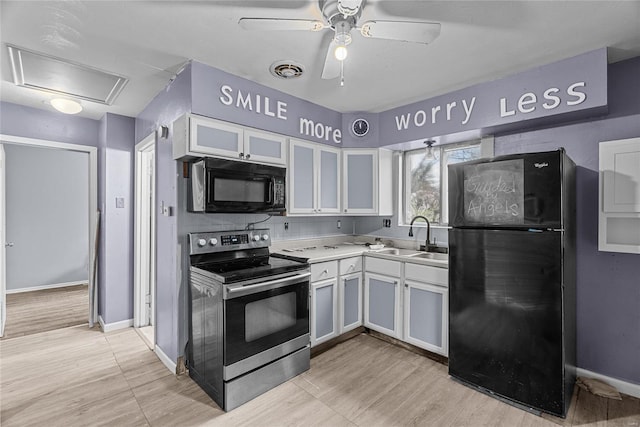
(321, 253)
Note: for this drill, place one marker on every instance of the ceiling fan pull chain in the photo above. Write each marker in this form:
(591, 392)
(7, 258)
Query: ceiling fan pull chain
(341, 73)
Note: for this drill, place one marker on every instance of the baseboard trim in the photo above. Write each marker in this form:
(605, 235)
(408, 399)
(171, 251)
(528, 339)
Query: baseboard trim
(44, 287)
(109, 327)
(166, 360)
(623, 386)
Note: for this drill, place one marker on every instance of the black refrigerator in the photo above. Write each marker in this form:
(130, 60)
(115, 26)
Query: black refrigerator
(512, 278)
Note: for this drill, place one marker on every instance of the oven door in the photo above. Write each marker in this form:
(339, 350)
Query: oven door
(265, 321)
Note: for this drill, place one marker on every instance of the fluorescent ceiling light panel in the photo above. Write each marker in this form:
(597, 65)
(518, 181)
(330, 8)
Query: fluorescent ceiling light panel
(43, 72)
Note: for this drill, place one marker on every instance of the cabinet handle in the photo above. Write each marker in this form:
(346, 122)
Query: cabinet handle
(325, 272)
(248, 156)
(406, 286)
(319, 210)
(241, 155)
(395, 282)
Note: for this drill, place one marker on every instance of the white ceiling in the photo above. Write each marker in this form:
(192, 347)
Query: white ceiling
(148, 41)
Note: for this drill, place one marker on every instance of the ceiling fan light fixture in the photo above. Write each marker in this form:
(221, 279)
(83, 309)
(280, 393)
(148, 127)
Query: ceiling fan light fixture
(66, 106)
(341, 52)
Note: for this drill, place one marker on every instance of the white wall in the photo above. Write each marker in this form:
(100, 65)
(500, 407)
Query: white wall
(47, 194)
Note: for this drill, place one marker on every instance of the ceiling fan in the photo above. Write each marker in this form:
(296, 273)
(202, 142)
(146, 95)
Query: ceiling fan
(341, 16)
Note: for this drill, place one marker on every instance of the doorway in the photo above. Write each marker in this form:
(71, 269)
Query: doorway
(88, 212)
(144, 250)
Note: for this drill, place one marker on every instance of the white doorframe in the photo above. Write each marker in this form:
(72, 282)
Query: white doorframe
(3, 242)
(92, 211)
(144, 242)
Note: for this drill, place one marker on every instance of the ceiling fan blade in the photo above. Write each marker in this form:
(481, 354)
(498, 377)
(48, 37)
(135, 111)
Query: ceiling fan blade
(331, 68)
(276, 24)
(417, 32)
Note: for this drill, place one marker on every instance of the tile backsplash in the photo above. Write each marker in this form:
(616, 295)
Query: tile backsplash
(310, 227)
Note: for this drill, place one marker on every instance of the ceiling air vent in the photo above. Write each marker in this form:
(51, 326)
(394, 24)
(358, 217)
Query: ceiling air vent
(286, 69)
(43, 72)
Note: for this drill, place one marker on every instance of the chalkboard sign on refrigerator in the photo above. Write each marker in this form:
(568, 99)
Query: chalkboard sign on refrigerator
(494, 192)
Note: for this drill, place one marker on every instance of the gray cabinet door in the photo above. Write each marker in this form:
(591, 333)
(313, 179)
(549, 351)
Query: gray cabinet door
(382, 304)
(323, 311)
(301, 179)
(351, 302)
(426, 316)
(215, 138)
(265, 147)
(329, 181)
(360, 186)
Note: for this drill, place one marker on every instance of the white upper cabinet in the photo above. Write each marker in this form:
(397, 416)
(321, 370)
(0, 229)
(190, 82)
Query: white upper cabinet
(196, 136)
(367, 186)
(314, 178)
(620, 171)
(619, 212)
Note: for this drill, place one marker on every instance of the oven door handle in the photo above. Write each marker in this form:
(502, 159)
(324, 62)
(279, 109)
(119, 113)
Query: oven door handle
(264, 286)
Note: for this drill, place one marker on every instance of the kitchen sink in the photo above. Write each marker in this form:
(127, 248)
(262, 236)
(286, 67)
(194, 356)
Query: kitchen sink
(431, 255)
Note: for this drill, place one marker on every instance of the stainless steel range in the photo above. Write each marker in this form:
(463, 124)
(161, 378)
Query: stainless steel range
(249, 320)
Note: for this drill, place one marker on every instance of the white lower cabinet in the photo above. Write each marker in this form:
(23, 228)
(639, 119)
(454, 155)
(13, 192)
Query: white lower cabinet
(336, 298)
(426, 316)
(323, 315)
(404, 300)
(382, 303)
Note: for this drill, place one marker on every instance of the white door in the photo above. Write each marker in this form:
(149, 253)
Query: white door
(144, 295)
(3, 275)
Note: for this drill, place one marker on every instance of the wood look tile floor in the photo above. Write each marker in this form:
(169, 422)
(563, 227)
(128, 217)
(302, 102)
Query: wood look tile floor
(81, 377)
(45, 310)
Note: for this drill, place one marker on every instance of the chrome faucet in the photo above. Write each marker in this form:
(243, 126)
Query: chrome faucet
(426, 245)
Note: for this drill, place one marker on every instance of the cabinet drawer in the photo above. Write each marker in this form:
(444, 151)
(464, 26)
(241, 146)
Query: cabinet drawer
(350, 265)
(425, 273)
(383, 266)
(324, 270)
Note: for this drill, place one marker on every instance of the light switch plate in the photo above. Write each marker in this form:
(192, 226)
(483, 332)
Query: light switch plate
(120, 202)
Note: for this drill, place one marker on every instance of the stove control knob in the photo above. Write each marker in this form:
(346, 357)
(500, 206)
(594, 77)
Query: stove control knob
(265, 237)
(256, 237)
(202, 242)
(213, 241)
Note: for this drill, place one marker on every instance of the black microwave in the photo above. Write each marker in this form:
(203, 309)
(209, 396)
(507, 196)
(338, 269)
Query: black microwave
(218, 185)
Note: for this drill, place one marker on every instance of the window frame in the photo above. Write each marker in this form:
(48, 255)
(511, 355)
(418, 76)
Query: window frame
(486, 150)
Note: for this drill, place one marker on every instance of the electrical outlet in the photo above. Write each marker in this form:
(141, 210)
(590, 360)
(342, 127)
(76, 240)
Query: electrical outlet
(339, 224)
(119, 202)
(386, 223)
(286, 226)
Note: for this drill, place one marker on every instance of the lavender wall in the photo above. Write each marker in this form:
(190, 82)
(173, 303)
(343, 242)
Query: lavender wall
(114, 137)
(168, 105)
(116, 223)
(57, 179)
(608, 295)
(590, 69)
(30, 122)
(207, 94)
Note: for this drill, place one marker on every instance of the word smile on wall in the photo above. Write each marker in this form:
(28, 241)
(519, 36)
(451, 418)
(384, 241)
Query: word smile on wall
(277, 109)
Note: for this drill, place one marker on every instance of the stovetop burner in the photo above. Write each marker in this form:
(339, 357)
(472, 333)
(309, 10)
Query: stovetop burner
(232, 272)
(234, 256)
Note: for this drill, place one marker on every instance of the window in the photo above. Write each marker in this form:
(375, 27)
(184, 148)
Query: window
(425, 180)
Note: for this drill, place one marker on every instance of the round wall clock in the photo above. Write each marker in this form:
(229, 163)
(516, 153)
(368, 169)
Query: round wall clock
(360, 127)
